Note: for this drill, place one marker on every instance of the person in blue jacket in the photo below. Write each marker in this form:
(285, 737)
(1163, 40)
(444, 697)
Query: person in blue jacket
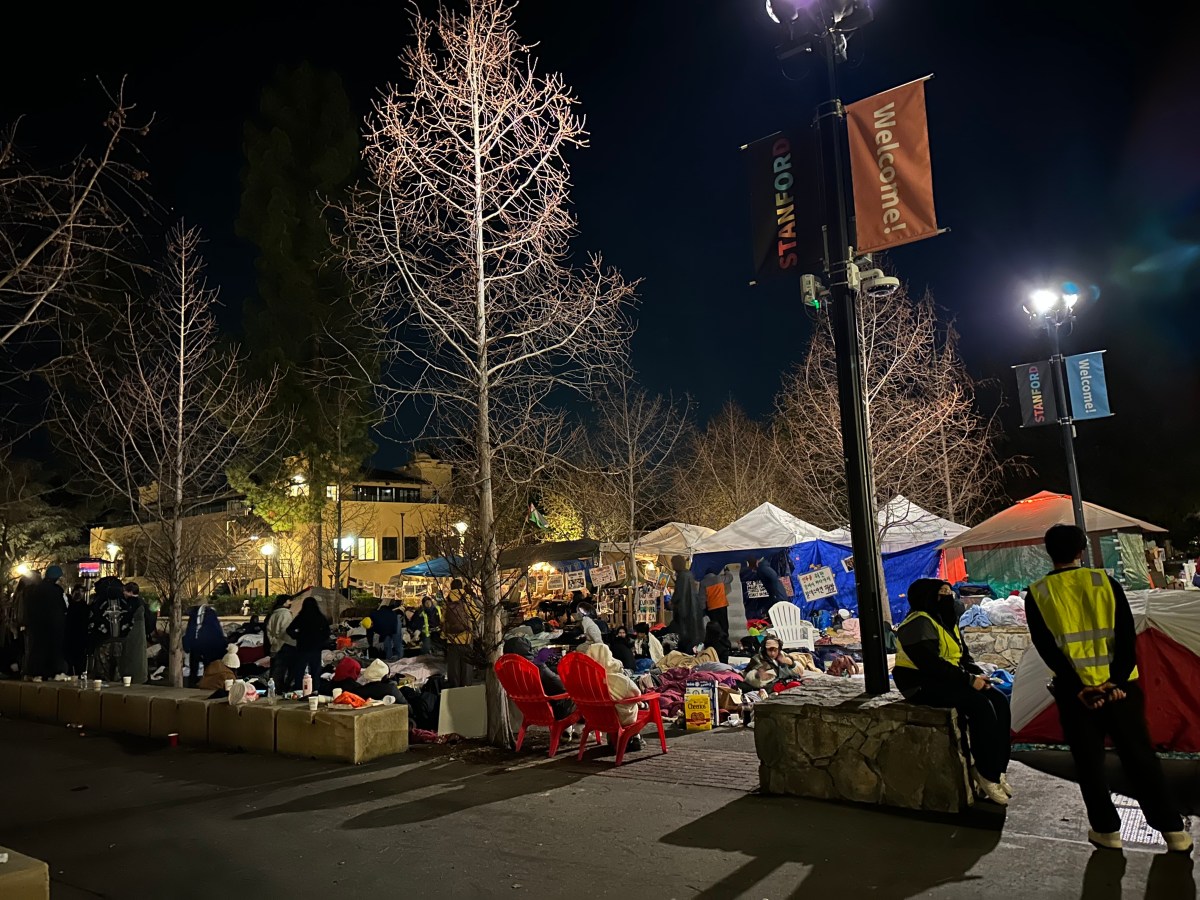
(203, 639)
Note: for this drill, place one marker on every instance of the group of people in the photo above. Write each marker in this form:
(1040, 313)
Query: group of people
(1081, 624)
(106, 633)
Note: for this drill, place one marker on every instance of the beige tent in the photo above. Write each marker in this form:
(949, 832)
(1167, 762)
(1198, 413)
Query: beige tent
(1006, 550)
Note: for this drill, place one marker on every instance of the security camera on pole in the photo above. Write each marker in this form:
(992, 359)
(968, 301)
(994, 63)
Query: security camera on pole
(885, 142)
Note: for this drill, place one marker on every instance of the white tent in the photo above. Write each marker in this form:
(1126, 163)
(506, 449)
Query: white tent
(762, 528)
(672, 539)
(903, 524)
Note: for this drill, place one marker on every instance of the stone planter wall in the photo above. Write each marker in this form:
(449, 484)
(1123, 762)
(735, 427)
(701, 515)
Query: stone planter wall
(837, 744)
(1000, 645)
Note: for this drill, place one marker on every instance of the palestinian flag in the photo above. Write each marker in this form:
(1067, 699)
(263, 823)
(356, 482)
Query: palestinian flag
(536, 518)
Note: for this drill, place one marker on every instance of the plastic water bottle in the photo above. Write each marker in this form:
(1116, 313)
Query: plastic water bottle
(306, 684)
(83, 681)
(270, 690)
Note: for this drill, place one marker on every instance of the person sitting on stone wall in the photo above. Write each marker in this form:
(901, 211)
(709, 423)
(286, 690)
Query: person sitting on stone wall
(935, 668)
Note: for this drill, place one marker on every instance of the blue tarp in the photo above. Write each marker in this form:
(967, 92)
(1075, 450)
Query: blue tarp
(900, 569)
(438, 567)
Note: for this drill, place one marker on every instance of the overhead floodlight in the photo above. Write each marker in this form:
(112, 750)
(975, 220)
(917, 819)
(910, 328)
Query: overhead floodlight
(113, 550)
(782, 11)
(1043, 300)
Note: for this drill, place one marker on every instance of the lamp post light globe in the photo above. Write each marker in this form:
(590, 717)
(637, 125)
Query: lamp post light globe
(267, 549)
(1051, 309)
(461, 528)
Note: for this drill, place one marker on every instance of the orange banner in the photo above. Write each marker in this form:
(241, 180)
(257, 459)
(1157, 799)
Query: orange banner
(889, 161)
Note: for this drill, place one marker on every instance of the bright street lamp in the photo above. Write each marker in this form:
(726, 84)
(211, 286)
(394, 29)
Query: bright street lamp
(461, 528)
(1052, 308)
(23, 570)
(113, 550)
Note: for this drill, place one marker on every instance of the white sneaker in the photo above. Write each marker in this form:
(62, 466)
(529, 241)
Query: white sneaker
(990, 790)
(1178, 841)
(1004, 785)
(1105, 840)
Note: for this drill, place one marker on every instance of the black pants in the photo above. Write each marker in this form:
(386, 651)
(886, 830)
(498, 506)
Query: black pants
(1125, 722)
(282, 663)
(989, 721)
(721, 617)
(459, 672)
(305, 661)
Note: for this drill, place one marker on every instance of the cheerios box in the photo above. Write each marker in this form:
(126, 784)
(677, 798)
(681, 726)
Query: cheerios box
(700, 705)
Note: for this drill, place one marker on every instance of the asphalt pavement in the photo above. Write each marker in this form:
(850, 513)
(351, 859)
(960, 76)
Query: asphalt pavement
(120, 817)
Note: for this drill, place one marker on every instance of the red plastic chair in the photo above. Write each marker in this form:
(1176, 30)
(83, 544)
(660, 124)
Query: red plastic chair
(522, 682)
(587, 683)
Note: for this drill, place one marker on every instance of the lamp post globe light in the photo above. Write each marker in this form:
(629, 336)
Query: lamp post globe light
(822, 29)
(1052, 308)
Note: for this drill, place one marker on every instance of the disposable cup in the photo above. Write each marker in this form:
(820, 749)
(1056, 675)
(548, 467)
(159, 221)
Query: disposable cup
(97, 684)
(313, 700)
(127, 680)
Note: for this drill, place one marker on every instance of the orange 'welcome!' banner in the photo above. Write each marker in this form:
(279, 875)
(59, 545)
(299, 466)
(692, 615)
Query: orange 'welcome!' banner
(889, 160)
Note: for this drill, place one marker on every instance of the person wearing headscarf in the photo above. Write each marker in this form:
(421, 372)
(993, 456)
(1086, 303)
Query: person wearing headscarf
(203, 639)
(687, 607)
(620, 685)
(551, 683)
(934, 668)
(311, 631)
(45, 626)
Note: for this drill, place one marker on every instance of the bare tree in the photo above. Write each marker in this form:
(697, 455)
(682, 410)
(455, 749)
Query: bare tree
(60, 226)
(726, 470)
(462, 241)
(928, 440)
(159, 424)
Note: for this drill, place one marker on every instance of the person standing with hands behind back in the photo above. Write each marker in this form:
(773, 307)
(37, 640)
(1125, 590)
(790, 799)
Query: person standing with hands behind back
(1082, 626)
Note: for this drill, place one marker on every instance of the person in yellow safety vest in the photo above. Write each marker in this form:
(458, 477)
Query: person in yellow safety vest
(1082, 627)
(935, 668)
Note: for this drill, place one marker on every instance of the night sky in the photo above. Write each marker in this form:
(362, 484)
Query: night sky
(1064, 146)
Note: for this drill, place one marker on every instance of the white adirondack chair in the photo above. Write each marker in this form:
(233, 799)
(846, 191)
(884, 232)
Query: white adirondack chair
(792, 628)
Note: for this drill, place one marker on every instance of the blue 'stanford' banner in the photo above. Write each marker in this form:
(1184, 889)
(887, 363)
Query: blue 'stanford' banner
(785, 204)
(1035, 389)
(1089, 390)
(889, 159)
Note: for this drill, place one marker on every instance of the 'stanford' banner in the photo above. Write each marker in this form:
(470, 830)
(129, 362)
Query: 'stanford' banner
(785, 204)
(1035, 389)
(1088, 387)
(890, 165)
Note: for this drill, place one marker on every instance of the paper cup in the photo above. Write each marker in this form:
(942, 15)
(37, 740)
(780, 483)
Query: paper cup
(127, 680)
(172, 740)
(97, 684)
(313, 700)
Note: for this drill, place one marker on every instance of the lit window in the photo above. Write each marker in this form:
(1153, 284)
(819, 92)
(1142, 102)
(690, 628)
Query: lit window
(366, 548)
(331, 492)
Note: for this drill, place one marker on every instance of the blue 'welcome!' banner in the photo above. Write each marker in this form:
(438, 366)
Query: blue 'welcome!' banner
(1089, 391)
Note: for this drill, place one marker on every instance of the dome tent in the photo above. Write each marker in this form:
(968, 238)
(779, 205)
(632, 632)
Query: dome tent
(1168, 659)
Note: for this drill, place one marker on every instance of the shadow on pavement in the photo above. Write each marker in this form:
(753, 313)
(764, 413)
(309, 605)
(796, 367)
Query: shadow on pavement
(467, 787)
(1183, 775)
(896, 855)
(1170, 877)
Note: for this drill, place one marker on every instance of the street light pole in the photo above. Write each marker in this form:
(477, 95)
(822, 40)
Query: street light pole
(860, 488)
(1055, 308)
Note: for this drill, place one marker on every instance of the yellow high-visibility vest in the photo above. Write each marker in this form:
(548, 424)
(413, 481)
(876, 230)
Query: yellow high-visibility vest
(949, 648)
(1080, 609)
